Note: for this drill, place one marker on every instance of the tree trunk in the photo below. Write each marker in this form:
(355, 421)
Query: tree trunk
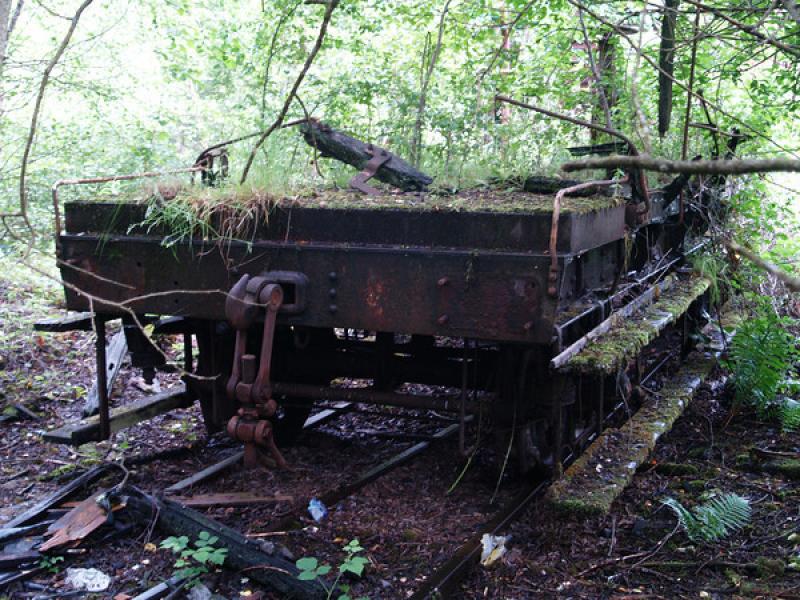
(666, 62)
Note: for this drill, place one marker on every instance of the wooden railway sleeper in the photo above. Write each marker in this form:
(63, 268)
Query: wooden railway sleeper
(249, 383)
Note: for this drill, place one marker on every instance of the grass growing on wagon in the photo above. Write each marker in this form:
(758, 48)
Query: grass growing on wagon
(213, 214)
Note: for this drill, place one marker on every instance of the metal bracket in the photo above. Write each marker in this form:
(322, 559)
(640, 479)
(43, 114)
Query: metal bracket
(249, 383)
(379, 158)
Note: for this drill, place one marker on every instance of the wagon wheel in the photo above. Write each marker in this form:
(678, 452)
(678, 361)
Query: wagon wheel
(537, 408)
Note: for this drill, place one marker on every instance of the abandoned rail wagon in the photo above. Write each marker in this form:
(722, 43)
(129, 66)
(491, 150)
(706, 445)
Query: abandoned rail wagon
(533, 301)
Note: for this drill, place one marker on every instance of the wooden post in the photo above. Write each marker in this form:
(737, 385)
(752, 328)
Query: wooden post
(102, 376)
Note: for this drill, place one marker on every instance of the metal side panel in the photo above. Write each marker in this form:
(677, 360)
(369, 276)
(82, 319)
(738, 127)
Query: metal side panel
(476, 294)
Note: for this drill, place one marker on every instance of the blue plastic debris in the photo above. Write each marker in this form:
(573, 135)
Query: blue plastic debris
(317, 510)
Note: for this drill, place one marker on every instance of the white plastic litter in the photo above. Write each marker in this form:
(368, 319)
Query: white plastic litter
(317, 509)
(494, 547)
(90, 580)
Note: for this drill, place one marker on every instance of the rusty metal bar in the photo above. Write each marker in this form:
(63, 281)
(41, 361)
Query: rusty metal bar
(62, 182)
(371, 396)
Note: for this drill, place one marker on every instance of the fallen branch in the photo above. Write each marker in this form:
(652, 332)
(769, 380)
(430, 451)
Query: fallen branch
(689, 167)
(792, 282)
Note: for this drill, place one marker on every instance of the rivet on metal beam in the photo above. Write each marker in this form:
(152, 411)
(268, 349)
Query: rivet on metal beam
(443, 320)
(333, 308)
(443, 281)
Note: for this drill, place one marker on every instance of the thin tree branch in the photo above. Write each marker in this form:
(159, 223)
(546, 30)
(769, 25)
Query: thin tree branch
(15, 17)
(416, 138)
(683, 86)
(690, 95)
(574, 120)
(23, 197)
(326, 19)
(281, 22)
(601, 92)
(749, 29)
(689, 167)
(509, 29)
(792, 282)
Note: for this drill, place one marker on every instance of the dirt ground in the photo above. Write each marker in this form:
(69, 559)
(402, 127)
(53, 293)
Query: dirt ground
(411, 520)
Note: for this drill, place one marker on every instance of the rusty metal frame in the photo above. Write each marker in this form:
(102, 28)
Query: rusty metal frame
(146, 175)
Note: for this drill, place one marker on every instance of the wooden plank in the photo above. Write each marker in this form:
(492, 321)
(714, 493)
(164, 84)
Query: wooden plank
(88, 430)
(326, 415)
(244, 555)
(648, 297)
(58, 496)
(205, 474)
(232, 499)
(81, 321)
(115, 353)
(13, 561)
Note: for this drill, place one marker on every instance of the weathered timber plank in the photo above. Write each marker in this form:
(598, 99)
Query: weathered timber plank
(115, 352)
(232, 499)
(88, 430)
(334, 144)
(81, 321)
(59, 495)
(244, 555)
(205, 474)
(589, 489)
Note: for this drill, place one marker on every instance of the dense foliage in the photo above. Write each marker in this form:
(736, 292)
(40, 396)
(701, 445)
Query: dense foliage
(147, 85)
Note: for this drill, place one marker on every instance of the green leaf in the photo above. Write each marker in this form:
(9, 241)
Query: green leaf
(306, 575)
(323, 570)
(308, 563)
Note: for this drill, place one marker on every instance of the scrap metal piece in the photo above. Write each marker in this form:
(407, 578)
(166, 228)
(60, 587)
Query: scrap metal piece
(379, 158)
(82, 520)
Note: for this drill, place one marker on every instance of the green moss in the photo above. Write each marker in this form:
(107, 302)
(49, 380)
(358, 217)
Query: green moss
(609, 352)
(676, 469)
(695, 485)
(787, 467)
(474, 200)
(592, 483)
(769, 567)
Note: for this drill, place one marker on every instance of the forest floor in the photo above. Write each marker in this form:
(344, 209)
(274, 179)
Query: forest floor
(408, 521)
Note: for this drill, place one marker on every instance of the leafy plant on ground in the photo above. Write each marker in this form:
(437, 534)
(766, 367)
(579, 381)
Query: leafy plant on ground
(311, 569)
(193, 562)
(50, 563)
(713, 520)
(761, 357)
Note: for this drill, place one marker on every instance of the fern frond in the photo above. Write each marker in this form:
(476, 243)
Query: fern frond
(714, 520)
(790, 416)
